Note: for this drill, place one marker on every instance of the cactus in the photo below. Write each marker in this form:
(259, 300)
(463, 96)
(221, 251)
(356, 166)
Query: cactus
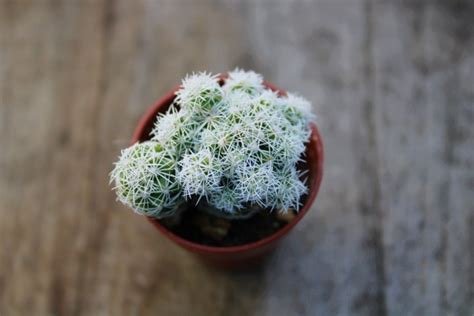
(232, 149)
(145, 180)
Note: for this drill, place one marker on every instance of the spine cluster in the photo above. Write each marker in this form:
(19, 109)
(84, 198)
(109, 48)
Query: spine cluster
(234, 148)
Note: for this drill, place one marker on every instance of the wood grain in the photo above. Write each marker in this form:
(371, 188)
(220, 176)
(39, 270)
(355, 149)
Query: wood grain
(392, 231)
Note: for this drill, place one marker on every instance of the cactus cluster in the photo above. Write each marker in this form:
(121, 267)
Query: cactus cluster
(231, 149)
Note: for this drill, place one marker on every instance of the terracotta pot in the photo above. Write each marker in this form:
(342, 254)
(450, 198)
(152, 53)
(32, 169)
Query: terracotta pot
(244, 255)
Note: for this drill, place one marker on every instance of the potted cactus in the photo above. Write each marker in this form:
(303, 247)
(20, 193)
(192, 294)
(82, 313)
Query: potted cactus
(223, 165)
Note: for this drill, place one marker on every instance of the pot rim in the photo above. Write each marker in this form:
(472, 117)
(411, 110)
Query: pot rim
(167, 99)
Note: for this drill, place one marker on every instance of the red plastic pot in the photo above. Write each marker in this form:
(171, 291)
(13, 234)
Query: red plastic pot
(244, 255)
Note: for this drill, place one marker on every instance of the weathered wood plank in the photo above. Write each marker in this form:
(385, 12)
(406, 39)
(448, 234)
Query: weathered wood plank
(52, 60)
(423, 71)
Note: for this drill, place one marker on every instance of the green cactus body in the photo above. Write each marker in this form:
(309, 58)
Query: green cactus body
(145, 180)
(233, 148)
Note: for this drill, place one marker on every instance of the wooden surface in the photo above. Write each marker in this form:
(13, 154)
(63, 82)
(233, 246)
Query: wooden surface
(392, 231)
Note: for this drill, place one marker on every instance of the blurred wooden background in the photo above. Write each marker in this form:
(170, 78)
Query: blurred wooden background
(392, 231)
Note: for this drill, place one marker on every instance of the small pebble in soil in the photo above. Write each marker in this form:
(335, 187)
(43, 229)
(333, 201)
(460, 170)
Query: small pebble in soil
(216, 228)
(286, 216)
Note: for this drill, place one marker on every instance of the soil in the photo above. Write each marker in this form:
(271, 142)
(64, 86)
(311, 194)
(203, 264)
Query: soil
(206, 229)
